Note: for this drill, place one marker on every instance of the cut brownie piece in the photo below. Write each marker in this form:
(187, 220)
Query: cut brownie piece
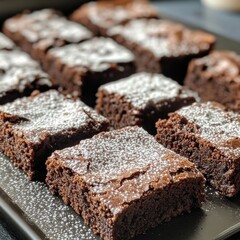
(216, 77)
(209, 137)
(123, 182)
(6, 43)
(141, 99)
(22, 81)
(32, 128)
(81, 68)
(100, 16)
(39, 31)
(161, 46)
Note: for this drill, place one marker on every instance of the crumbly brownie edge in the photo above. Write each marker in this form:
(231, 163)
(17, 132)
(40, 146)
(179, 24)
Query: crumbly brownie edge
(181, 136)
(138, 216)
(122, 113)
(118, 110)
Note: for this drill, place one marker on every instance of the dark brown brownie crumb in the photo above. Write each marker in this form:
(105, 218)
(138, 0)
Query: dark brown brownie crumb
(123, 182)
(32, 128)
(216, 77)
(209, 136)
(141, 99)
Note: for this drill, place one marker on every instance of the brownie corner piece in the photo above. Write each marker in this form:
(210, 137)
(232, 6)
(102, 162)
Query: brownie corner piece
(209, 137)
(216, 77)
(141, 99)
(31, 128)
(120, 181)
(99, 16)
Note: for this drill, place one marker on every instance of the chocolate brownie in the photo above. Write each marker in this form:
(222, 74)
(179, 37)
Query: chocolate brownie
(22, 81)
(31, 128)
(216, 77)
(81, 68)
(141, 99)
(209, 137)
(39, 31)
(123, 182)
(6, 43)
(100, 16)
(161, 46)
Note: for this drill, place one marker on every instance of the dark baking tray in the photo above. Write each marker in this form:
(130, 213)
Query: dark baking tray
(36, 214)
(39, 215)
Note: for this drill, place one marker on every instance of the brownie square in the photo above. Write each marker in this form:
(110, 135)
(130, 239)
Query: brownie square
(100, 16)
(32, 128)
(208, 136)
(41, 30)
(216, 77)
(123, 182)
(141, 99)
(81, 68)
(19, 82)
(162, 46)
(6, 43)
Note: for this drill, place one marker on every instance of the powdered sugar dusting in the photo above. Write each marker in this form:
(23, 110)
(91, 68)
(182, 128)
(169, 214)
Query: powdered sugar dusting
(6, 43)
(18, 79)
(222, 65)
(50, 113)
(48, 24)
(121, 165)
(98, 54)
(142, 88)
(15, 58)
(163, 38)
(106, 16)
(216, 125)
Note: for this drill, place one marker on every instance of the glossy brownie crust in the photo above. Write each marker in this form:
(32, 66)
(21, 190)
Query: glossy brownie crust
(100, 16)
(123, 182)
(209, 137)
(32, 128)
(81, 68)
(161, 46)
(141, 99)
(216, 77)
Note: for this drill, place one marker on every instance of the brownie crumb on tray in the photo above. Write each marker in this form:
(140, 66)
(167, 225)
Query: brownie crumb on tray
(100, 16)
(123, 182)
(141, 99)
(216, 77)
(81, 68)
(31, 128)
(208, 136)
(162, 46)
